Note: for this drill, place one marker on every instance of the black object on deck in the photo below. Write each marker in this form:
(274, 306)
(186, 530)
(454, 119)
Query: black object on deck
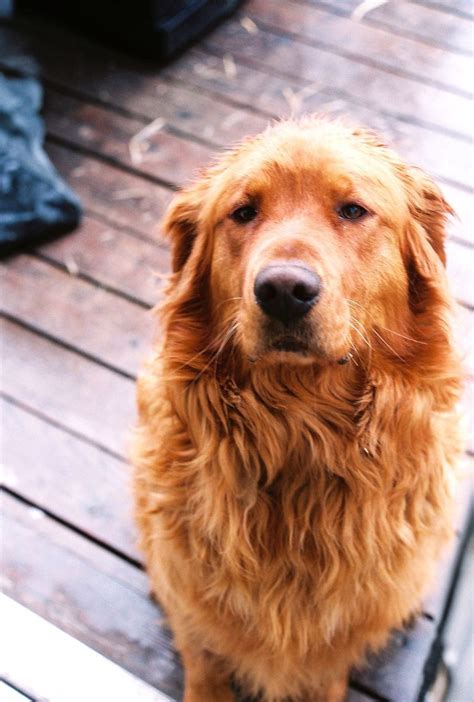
(154, 28)
(34, 202)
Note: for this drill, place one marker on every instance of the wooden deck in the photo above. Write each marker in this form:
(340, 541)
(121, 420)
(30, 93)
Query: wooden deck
(75, 313)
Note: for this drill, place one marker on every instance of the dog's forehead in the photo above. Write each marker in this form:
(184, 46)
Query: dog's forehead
(336, 159)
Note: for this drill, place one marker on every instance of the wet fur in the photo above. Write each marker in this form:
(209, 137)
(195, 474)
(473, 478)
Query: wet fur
(291, 513)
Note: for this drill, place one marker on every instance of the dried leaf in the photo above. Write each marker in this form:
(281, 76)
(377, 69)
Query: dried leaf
(200, 69)
(106, 236)
(230, 120)
(365, 7)
(128, 194)
(78, 172)
(71, 265)
(209, 131)
(293, 100)
(230, 68)
(86, 132)
(138, 144)
(249, 25)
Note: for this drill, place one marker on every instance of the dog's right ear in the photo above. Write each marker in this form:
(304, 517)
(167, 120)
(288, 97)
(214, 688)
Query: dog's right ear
(181, 223)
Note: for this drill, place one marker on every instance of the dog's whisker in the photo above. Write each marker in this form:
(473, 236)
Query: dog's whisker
(228, 299)
(384, 341)
(357, 331)
(392, 331)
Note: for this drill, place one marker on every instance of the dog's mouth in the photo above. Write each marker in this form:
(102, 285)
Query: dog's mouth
(290, 345)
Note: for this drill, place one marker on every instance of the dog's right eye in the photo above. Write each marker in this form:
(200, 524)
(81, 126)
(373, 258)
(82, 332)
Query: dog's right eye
(244, 214)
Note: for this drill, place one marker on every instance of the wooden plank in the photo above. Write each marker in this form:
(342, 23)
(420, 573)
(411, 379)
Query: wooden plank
(160, 154)
(115, 79)
(467, 411)
(118, 198)
(459, 8)
(69, 390)
(366, 85)
(462, 225)
(438, 153)
(396, 673)
(460, 265)
(114, 259)
(87, 592)
(176, 160)
(272, 94)
(447, 70)
(107, 327)
(427, 24)
(54, 658)
(464, 337)
(55, 470)
(282, 96)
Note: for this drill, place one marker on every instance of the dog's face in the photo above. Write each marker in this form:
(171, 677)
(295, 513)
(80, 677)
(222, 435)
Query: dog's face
(310, 236)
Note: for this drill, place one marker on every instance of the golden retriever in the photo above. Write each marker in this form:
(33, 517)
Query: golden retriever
(297, 433)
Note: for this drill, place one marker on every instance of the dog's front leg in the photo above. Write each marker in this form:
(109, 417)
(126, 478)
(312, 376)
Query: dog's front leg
(334, 692)
(206, 677)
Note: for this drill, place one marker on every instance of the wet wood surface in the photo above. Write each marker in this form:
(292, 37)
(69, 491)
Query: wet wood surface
(76, 312)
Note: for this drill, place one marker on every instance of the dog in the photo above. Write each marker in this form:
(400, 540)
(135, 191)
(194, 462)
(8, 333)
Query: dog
(297, 439)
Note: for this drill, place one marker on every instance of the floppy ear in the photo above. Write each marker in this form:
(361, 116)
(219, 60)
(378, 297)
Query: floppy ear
(180, 223)
(427, 229)
(425, 235)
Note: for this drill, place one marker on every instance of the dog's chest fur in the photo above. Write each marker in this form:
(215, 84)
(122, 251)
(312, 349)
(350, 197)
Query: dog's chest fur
(284, 519)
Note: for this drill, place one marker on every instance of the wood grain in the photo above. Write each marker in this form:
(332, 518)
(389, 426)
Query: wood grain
(93, 595)
(68, 477)
(447, 70)
(106, 327)
(161, 155)
(114, 259)
(93, 401)
(424, 23)
(367, 85)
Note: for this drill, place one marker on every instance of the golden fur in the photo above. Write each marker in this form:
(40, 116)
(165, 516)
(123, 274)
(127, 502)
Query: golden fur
(291, 508)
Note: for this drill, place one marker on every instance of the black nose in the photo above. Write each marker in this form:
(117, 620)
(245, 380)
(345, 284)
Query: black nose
(287, 292)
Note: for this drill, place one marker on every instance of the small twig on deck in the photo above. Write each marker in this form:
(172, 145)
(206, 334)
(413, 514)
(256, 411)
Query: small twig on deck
(249, 25)
(138, 144)
(200, 69)
(107, 236)
(71, 265)
(365, 7)
(295, 99)
(230, 68)
(128, 194)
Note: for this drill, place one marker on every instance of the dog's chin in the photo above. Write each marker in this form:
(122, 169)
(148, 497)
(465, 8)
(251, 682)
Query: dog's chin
(292, 350)
(286, 349)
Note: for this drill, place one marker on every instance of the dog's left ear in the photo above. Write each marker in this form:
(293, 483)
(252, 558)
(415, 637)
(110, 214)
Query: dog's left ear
(426, 231)
(181, 222)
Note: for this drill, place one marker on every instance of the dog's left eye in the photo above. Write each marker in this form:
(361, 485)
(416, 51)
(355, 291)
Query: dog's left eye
(352, 211)
(244, 214)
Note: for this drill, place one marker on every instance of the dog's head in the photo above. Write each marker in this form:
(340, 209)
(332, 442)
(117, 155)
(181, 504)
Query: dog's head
(304, 244)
